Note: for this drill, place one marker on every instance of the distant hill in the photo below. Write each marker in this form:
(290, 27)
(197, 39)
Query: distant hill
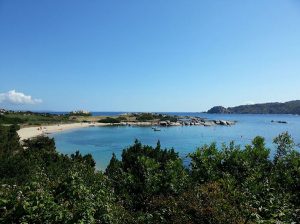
(291, 107)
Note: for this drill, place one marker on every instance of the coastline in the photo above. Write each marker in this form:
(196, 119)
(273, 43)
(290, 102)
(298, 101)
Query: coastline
(31, 132)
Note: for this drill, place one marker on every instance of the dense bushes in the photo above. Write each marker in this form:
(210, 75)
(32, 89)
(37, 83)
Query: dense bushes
(149, 184)
(153, 116)
(110, 120)
(144, 173)
(39, 185)
(145, 117)
(11, 120)
(31, 118)
(227, 185)
(9, 140)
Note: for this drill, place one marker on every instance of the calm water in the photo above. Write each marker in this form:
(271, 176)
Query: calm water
(101, 142)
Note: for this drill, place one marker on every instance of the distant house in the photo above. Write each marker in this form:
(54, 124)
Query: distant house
(2, 111)
(80, 113)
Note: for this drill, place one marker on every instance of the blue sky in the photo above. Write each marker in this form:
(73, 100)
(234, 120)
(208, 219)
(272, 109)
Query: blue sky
(140, 55)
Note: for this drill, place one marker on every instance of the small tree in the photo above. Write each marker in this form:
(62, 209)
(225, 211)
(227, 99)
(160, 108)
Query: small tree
(285, 145)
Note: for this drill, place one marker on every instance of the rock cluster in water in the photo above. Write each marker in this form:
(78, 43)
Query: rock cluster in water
(187, 121)
(197, 122)
(279, 122)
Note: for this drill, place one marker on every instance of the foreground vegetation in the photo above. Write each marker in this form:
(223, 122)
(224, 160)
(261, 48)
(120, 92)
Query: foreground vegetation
(30, 118)
(149, 184)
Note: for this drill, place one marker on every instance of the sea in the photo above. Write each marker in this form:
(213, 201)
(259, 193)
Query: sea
(101, 142)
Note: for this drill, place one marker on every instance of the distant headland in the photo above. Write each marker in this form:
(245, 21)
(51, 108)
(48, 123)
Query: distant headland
(290, 107)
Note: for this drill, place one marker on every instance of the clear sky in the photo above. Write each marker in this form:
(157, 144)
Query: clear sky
(165, 55)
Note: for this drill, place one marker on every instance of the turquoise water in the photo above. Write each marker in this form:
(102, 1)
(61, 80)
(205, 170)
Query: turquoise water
(101, 142)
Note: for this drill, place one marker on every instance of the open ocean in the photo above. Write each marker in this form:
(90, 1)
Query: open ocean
(101, 142)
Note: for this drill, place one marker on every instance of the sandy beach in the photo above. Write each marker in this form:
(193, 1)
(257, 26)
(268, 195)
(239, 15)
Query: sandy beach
(30, 132)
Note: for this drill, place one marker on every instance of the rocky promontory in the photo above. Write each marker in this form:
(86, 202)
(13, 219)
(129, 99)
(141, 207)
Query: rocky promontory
(291, 107)
(168, 120)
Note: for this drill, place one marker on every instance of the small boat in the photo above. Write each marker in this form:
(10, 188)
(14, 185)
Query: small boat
(156, 129)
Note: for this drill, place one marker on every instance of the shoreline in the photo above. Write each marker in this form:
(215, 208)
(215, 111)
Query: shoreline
(31, 132)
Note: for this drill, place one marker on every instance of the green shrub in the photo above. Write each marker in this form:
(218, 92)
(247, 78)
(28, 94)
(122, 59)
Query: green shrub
(109, 120)
(149, 184)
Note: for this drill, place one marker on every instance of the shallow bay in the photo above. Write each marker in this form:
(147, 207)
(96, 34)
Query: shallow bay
(101, 142)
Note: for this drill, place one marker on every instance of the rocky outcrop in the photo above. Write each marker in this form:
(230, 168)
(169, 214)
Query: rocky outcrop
(186, 121)
(196, 122)
(218, 110)
(279, 122)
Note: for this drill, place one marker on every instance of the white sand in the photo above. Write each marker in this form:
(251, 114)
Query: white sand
(31, 132)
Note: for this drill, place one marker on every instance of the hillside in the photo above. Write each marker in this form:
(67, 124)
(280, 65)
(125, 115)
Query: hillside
(291, 107)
